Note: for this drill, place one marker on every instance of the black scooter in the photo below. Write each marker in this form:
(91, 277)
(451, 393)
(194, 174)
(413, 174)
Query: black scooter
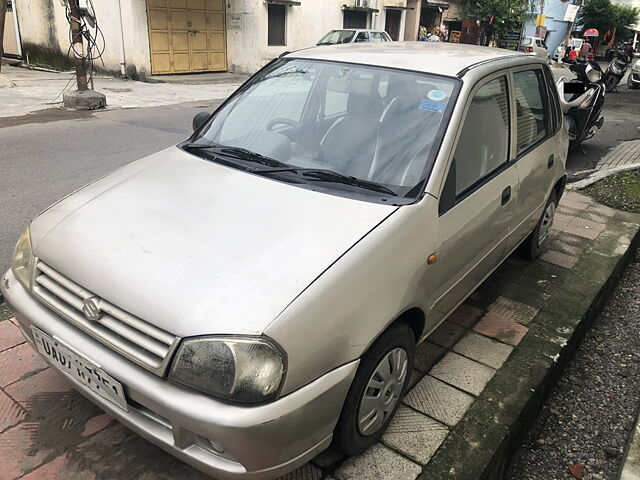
(582, 99)
(615, 71)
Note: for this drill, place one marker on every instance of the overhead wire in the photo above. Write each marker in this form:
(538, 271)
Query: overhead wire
(95, 42)
(92, 35)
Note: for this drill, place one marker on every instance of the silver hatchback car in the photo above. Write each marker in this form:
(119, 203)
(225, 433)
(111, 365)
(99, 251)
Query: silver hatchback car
(251, 295)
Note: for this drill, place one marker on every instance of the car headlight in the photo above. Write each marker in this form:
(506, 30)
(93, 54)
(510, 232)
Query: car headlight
(241, 369)
(23, 260)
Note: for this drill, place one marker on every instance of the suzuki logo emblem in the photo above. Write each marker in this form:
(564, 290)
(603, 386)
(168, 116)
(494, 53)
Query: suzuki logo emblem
(91, 308)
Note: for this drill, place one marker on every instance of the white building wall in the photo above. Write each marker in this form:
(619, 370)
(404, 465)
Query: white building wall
(43, 23)
(247, 48)
(136, 36)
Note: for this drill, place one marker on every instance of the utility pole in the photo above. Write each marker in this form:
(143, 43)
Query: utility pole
(76, 35)
(3, 12)
(83, 98)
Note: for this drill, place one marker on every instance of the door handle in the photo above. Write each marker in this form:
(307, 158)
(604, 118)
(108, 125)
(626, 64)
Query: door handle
(550, 161)
(506, 195)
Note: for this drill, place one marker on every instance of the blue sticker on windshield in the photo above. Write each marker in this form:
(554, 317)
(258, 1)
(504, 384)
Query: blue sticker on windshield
(436, 95)
(431, 106)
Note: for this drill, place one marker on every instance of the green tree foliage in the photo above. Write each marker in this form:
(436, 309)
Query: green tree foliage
(498, 16)
(607, 16)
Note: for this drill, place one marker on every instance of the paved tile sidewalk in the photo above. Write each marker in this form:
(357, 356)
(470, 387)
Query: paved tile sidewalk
(625, 153)
(37, 90)
(49, 431)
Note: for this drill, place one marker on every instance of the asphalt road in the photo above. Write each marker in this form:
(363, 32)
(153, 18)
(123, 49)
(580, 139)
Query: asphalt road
(621, 113)
(46, 156)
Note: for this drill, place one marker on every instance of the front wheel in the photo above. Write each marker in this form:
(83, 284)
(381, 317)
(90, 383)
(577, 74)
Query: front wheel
(535, 243)
(377, 389)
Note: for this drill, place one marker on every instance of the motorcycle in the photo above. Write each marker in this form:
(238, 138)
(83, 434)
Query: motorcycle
(633, 80)
(581, 100)
(615, 71)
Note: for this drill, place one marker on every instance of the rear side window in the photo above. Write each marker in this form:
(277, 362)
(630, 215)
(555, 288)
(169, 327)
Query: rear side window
(556, 112)
(532, 108)
(377, 37)
(484, 141)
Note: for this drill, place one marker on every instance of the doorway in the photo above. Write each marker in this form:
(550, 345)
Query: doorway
(12, 46)
(354, 19)
(187, 36)
(392, 23)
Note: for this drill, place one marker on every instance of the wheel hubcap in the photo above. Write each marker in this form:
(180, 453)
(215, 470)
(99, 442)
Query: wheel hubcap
(547, 223)
(382, 392)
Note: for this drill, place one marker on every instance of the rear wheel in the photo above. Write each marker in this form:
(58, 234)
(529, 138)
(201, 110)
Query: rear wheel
(535, 243)
(379, 385)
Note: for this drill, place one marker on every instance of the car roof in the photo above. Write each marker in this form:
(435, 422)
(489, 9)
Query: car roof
(429, 57)
(355, 30)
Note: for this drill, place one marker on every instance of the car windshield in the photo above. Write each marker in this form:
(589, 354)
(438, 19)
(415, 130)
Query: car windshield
(377, 125)
(337, 36)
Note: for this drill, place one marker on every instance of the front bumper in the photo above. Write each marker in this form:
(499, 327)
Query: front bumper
(260, 442)
(634, 77)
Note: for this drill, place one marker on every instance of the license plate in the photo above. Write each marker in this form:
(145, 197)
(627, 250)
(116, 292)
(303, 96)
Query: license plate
(80, 368)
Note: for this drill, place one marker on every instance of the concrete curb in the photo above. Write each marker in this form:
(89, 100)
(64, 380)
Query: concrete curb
(600, 175)
(483, 442)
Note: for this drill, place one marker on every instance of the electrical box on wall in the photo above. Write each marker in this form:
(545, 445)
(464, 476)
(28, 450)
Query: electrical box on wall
(83, 5)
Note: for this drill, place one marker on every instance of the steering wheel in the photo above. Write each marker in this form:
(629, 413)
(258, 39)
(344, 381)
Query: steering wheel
(282, 121)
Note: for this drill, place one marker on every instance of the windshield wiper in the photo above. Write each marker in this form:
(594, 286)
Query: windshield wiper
(311, 174)
(237, 153)
(323, 175)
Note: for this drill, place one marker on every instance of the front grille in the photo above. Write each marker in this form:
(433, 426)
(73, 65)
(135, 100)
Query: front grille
(130, 336)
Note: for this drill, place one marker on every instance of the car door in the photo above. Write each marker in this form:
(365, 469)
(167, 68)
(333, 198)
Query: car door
(539, 49)
(478, 197)
(535, 147)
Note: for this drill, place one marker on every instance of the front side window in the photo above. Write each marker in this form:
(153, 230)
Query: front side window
(276, 19)
(371, 124)
(532, 107)
(484, 142)
(362, 37)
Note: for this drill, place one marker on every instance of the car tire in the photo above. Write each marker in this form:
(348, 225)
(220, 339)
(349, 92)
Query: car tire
(535, 243)
(396, 346)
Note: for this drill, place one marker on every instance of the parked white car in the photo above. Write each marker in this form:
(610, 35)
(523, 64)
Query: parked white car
(256, 293)
(354, 35)
(534, 46)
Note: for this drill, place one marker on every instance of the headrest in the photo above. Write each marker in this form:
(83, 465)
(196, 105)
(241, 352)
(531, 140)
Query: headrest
(349, 85)
(362, 104)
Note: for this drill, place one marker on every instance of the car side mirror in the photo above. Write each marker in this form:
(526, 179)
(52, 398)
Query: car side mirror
(199, 119)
